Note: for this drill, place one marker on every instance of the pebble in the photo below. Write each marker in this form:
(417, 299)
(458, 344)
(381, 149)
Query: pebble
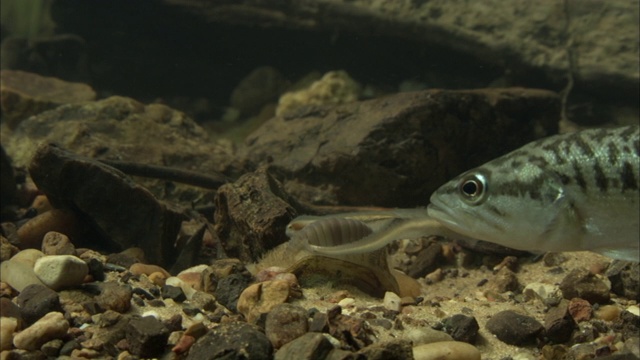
(147, 337)
(394, 349)
(114, 297)
(347, 303)
(461, 328)
(583, 284)
(186, 288)
(35, 301)
(634, 309)
(49, 327)
(426, 335)
(7, 250)
(392, 301)
(18, 271)
(504, 280)
(446, 350)
(513, 328)
(580, 309)
(284, 323)
(558, 323)
(229, 289)
(261, 298)
(607, 312)
(60, 271)
(194, 276)
(147, 269)
(55, 243)
(232, 341)
(8, 326)
(308, 346)
(625, 279)
(546, 293)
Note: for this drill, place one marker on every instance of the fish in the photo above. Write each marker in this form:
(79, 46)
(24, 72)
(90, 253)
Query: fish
(570, 192)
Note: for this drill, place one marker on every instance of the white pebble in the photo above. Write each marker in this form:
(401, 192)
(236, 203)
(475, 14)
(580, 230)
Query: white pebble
(186, 288)
(392, 301)
(541, 291)
(347, 303)
(634, 309)
(49, 327)
(446, 350)
(60, 271)
(18, 274)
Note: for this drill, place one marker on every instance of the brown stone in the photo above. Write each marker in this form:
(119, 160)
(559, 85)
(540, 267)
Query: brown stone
(396, 150)
(24, 94)
(252, 214)
(260, 298)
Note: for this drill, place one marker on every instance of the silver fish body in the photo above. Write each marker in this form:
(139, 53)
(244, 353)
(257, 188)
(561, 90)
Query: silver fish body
(570, 192)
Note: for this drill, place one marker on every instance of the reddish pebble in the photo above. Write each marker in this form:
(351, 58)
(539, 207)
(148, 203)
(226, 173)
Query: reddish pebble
(183, 344)
(580, 309)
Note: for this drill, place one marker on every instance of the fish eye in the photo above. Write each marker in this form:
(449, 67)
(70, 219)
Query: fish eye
(473, 188)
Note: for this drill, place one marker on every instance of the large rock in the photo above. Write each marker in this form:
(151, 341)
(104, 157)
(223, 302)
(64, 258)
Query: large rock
(119, 128)
(122, 212)
(396, 150)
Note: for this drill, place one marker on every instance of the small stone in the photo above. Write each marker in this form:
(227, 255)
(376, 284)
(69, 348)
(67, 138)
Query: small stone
(18, 271)
(461, 328)
(158, 278)
(36, 301)
(147, 269)
(52, 348)
(337, 296)
(147, 337)
(60, 271)
(55, 243)
(558, 323)
(388, 350)
(195, 277)
(260, 298)
(607, 312)
(446, 350)
(392, 301)
(319, 323)
(49, 327)
(580, 283)
(504, 280)
(232, 341)
(284, 323)
(580, 309)
(174, 293)
(546, 293)
(7, 250)
(308, 346)
(229, 289)
(347, 303)
(114, 297)
(426, 335)
(184, 344)
(625, 279)
(554, 258)
(513, 328)
(8, 326)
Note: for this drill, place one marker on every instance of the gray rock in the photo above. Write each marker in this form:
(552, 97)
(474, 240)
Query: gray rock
(513, 328)
(460, 327)
(284, 323)
(36, 301)
(55, 243)
(580, 283)
(147, 337)
(145, 222)
(625, 279)
(400, 147)
(310, 346)
(229, 289)
(232, 341)
(60, 271)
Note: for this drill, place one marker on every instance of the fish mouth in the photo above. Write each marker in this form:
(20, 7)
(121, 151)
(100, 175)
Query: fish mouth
(443, 214)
